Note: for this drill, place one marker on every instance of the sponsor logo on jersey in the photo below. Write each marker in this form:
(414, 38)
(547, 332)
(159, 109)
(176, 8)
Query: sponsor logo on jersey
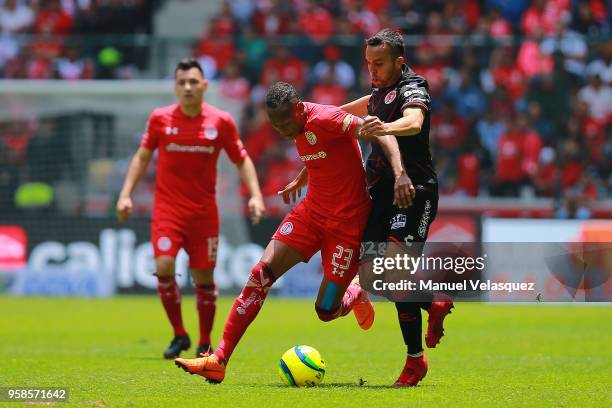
(211, 133)
(316, 156)
(286, 228)
(412, 92)
(164, 243)
(425, 219)
(346, 122)
(399, 221)
(390, 97)
(171, 130)
(311, 137)
(173, 147)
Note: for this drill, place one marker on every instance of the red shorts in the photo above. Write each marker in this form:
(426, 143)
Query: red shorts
(339, 241)
(199, 239)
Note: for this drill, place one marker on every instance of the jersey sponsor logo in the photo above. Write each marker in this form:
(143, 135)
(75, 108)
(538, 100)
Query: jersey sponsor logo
(390, 97)
(425, 219)
(311, 137)
(164, 243)
(286, 228)
(399, 221)
(316, 156)
(413, 92)
(171, 130)
(346, 122)
(211, 133)
(173, 147)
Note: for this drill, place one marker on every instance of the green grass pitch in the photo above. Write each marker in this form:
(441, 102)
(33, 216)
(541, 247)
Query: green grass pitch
(108, 353)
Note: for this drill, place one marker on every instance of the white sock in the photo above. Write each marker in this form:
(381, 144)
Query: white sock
(416, 355)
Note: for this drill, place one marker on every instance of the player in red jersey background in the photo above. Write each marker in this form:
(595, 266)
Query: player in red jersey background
(188, 137)
(331, 218)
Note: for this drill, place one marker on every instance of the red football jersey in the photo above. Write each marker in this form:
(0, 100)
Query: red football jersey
(336, 176)
(187, 159)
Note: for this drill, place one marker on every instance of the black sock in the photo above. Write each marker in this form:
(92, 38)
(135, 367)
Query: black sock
(425, 297)
(409, 316)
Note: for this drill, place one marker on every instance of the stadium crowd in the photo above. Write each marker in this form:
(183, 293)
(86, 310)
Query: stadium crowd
(521, 90)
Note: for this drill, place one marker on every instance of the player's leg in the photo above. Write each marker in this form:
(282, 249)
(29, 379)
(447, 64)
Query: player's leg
(202, 251)
(166, 244)
(277, 259)
(293, 242)
(206, 305)
(339, 254)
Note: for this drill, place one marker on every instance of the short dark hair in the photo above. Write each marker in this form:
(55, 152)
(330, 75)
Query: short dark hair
(280, 95)
(186, 64)
(393, 39)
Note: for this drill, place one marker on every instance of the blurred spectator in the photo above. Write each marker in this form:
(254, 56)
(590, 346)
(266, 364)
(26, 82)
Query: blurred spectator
(587, 20)
(599, 98)
(283, 66)
(546, 178)
(544, 15)
(571, 45)
(272, 17)
(509, 169)
(224, 23)
(52, 19)
(602, 65)
(510, 10)
(448, 130)
(408, 15)
(232, 85)
(72, 66)
(219, 47)
(490, 128)
(573, 206)
(316, 22)
(15, 17)
(363, 20)
(531, 60)
(344, 73)
(328, 91)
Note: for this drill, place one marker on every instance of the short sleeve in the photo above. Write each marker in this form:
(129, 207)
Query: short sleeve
(415, 93)
(150, 138)
(231, 141)
(338, 122)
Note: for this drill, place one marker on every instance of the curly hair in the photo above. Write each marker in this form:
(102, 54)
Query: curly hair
(280, 95)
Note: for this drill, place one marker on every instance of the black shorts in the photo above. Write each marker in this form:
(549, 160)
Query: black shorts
(408, 226)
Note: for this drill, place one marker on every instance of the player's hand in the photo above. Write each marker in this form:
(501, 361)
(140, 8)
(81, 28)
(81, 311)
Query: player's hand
(372, 126)
(291, 192)
(256, 209)
(403, 191)
(124, 208)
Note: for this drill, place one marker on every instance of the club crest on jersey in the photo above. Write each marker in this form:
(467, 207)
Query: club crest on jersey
(171, 130)
(286, 228)
(311, 137)
(211, 133)
(390, 97)
(164, 243)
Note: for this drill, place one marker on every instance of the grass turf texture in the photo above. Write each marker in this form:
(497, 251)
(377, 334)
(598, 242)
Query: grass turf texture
(108, 353)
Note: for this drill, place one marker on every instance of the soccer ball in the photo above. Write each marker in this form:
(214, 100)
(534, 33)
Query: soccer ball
(302, 366)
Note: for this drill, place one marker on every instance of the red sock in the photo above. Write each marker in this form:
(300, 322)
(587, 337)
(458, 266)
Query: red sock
(245, 309)
(349, 298)
(170, 295)
(206, 303)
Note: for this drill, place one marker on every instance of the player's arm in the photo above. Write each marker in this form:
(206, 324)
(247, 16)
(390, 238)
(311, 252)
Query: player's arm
(358, 107)
(248, 175)
(404, 191)
(409, 124)
(293, 190)
(136, 171)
